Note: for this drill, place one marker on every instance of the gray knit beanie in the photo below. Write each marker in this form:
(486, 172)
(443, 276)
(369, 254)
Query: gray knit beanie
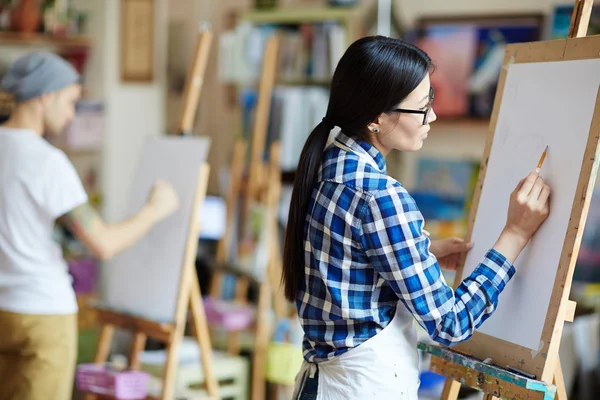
(36, 74)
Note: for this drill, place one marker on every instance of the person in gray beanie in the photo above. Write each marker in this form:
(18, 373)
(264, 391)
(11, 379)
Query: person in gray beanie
(38, 308)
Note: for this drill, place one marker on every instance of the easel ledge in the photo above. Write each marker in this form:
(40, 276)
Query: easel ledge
(486, 377)
(156, 330)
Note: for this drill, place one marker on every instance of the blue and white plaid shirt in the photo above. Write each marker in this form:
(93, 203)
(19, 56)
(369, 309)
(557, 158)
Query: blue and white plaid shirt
(365, 250)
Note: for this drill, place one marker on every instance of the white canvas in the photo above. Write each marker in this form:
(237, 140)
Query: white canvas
(144, 280)
(551, 104)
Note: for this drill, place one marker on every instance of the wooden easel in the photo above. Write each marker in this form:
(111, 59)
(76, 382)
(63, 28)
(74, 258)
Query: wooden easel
(238, 184)
(460, 368)
(263, 185)
(189, 295)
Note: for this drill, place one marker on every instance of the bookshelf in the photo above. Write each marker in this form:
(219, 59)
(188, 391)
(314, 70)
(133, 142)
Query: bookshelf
(312, 41)
(301, 15)
(464, 136)
(351, 18)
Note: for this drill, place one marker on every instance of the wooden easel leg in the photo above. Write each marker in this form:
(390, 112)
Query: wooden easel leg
(559, 382)
(106, 335)
(259, 364)
(102, 350)
(233, 343)
(451, 389)
(233, 338)
(137, 346)
(202, 334)
(171, 365)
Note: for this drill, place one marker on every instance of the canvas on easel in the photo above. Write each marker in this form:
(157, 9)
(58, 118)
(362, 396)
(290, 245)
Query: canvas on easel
(150, 287)
(548, 95)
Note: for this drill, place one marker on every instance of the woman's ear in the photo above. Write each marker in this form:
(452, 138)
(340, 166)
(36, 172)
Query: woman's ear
(375, 126)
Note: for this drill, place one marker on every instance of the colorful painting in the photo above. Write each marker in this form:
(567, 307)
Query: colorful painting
(489, 55)
(451, 49)
(470, 83)
(444, 188)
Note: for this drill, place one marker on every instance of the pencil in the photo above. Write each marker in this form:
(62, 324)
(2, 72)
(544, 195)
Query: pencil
(541, 160)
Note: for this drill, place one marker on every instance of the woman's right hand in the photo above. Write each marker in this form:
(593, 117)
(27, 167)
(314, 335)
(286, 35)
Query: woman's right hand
(162, 200)
(528, 206)
(527, 210)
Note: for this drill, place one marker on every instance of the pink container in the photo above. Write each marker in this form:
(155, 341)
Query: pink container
(126, 385)
(229, 315)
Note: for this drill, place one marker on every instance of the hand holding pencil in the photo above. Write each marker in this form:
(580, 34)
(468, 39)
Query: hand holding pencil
(527, 210)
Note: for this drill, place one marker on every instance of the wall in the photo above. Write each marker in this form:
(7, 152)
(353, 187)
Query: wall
(133, 111)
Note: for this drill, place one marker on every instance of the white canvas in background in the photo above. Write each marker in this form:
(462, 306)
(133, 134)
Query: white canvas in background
(144, 280)
(551, 104)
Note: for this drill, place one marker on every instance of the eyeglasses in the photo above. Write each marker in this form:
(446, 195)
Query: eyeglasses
(424, 112)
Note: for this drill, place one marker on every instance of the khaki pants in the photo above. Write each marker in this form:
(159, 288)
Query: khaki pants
(37, 356)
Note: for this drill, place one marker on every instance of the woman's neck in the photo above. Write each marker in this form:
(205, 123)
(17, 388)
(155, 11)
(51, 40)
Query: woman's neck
(372, 140)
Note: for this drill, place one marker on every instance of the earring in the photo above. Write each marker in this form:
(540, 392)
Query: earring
(376, 130)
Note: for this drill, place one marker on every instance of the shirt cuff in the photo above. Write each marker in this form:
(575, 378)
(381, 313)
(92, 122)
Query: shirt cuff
(496, 268)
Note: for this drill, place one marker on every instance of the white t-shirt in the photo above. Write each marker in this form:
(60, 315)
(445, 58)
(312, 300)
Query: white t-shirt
(38, 184)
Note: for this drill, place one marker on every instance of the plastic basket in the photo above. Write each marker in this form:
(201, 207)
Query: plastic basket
(125, 385)
(231, 316)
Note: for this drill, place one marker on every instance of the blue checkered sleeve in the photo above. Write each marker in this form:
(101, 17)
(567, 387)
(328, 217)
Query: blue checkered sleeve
(392, 235)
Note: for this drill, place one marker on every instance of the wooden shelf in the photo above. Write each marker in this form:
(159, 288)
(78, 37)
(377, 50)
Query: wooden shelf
(303, 82)
(462, 121)
(39, 39)
(470, 124)
(301, 15)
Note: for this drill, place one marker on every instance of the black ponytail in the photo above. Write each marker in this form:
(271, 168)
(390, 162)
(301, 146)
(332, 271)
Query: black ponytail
(304, 182)
(372, 77)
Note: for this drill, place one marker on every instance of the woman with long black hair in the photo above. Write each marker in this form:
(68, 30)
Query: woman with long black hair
(357, 261)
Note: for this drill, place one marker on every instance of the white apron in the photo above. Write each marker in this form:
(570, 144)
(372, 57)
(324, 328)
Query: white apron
(384, 367)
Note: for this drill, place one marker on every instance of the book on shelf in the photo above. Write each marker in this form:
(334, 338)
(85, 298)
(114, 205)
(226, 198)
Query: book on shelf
(295, 111)
(308, 52)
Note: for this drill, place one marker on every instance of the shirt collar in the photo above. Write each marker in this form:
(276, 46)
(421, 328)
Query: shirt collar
(364, 150)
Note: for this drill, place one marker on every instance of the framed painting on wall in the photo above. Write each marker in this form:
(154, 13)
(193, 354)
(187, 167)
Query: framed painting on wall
(137, 40)
(468, 54)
